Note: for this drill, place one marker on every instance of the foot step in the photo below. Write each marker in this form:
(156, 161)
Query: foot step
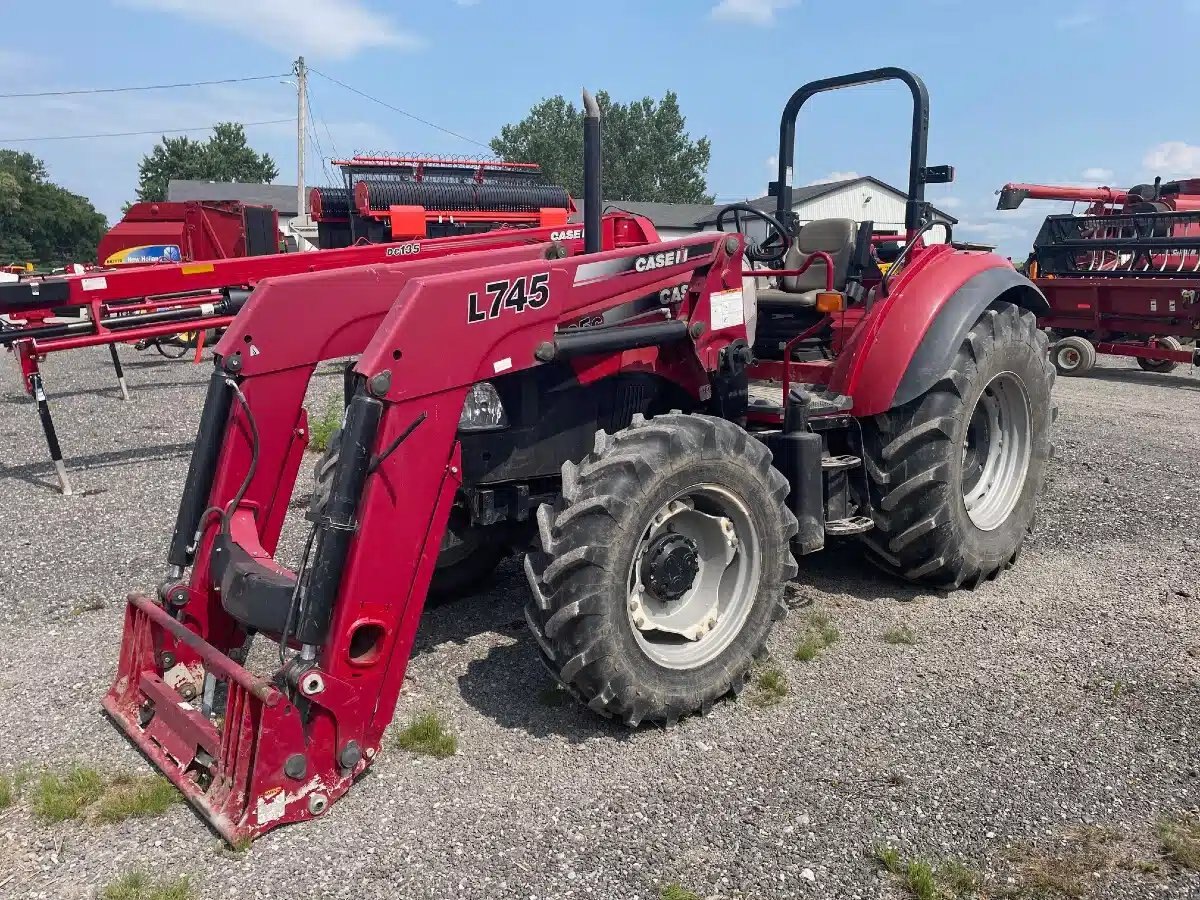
(852, 525)
(839, 463)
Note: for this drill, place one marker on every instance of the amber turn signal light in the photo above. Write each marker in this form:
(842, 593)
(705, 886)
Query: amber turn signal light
(830, 302)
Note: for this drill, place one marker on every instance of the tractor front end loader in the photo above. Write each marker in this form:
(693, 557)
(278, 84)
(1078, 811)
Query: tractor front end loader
(607, 405)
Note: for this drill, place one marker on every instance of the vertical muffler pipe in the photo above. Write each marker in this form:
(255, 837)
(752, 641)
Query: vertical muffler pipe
(337, 525)
(592, 176)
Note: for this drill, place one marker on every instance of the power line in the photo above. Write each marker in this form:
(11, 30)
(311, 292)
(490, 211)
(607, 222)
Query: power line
(145, 87)
(461, 137)
(79, 137)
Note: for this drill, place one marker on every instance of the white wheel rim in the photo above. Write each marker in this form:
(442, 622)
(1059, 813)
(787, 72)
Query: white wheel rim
(996, 451)
(693, 629)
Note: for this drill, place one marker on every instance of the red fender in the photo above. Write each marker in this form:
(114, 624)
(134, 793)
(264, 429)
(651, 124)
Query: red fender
(909, 338)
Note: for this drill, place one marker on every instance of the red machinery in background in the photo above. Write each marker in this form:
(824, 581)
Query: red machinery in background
(403, 197)
(126, 303)
(189, 231)
(1121, 278)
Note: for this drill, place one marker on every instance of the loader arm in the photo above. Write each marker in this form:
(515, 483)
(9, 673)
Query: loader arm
(287, 745)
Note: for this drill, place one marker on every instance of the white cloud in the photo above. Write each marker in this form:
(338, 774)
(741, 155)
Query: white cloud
(1080, 19)
(330, 28)
(773, 164)
(1098, 173)
(947, 202)
(836, 176)
(750, 12)
(1173, 158)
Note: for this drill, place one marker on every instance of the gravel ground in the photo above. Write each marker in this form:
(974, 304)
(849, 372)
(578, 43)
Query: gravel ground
(1065, 695)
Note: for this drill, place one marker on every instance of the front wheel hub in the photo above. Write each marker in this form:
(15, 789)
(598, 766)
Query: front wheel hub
(670, 566)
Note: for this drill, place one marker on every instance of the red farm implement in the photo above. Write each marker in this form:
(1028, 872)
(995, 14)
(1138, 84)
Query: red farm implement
(1122, 278)
(591, 404)
(190, 231)
(154, 304)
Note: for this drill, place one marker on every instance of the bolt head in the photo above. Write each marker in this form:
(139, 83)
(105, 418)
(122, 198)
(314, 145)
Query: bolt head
(187, 691)
(295, 767)
(696, 329)
(317, 803)
(731, 245)
(380, 383)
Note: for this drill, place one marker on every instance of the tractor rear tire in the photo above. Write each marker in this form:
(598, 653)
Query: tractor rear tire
(677, 523)
(955, 473)
(1073, 356)
(1162, 366)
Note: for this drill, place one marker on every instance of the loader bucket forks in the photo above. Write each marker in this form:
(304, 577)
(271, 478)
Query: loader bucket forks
(283, 748)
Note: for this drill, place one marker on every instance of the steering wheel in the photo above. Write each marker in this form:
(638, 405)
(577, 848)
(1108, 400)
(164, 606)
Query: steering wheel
(771, 250)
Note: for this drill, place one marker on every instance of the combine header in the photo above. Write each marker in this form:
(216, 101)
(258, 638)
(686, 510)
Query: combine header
(393, 198)
(1122, 278)
(597, 405)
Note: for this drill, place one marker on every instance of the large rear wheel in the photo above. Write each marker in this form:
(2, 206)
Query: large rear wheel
(660, 571)
(955, 473)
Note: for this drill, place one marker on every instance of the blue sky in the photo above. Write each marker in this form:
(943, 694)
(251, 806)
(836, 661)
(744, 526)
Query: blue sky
(1066, 91)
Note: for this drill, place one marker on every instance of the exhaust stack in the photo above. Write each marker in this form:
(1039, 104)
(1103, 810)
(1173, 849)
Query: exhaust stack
(592, 176)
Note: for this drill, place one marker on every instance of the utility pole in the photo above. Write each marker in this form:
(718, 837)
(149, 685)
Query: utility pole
(301, 73)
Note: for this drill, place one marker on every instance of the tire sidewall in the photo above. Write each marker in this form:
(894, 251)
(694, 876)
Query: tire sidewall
(989, 550)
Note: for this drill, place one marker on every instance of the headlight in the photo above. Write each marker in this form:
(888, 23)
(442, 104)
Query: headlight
(482, 410)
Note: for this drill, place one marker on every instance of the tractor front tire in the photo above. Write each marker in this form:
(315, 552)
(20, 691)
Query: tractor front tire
(955, 473)
(659, 572)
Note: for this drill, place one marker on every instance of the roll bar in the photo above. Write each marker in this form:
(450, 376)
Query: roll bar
(916, 210)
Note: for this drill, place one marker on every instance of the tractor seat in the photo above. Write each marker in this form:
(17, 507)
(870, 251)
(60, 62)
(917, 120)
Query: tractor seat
(833, 236)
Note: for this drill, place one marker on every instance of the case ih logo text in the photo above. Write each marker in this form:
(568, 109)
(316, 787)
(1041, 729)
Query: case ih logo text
(659, 260)
(568, 234)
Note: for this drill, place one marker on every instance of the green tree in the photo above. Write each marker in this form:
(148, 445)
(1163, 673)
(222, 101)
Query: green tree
(41, 222)
(648, 155)
(225, 156)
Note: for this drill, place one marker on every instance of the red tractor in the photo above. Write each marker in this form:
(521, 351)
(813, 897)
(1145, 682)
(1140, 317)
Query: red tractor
(596, 405)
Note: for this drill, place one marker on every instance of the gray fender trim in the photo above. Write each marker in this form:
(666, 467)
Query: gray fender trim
(939, 346)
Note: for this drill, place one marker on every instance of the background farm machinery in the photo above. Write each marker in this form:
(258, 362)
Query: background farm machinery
(176, 272)
(1122, 278)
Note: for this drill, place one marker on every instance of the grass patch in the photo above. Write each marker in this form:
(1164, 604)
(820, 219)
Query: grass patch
(899, 634)
(322, 426)
(427, 735)
(8, 792)
(770, 687)
(130, 797)
(889, 858)
(1080, 866)
(819, 633)
(1180, 840)
(676, 891)
(922, 881)
(958, 879)
(139, 885)
(57, 798)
